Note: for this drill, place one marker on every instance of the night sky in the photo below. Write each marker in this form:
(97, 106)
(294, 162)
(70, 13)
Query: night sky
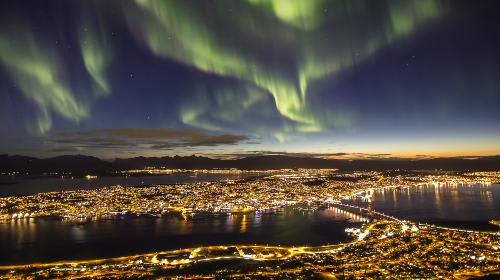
(233, 78)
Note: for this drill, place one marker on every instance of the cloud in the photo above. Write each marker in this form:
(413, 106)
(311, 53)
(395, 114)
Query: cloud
(144, 138)
(337, 155)
(64, 150)
(332, 155)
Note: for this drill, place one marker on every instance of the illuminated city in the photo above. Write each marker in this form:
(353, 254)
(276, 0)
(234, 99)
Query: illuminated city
(249, 139)
(381, 249)
(305, 188)
(382, 245)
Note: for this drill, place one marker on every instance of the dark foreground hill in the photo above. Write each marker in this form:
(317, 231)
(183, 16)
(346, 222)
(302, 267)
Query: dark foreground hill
(79, 164)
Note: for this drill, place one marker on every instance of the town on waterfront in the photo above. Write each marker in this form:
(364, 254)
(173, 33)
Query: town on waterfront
(249, 139)
(380, 245)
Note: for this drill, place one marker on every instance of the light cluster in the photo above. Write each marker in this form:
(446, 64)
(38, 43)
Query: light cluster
(307, 188)
(385, 249)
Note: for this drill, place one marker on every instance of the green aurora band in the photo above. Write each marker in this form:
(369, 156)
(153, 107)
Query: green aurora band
(270, 53)
(304, 41)
(96, 56)
(95, 46)
(306, 15)
(39, 74)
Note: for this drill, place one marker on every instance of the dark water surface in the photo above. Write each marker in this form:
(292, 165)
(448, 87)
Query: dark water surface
(45, 240)
(20, 186)
(467, 206)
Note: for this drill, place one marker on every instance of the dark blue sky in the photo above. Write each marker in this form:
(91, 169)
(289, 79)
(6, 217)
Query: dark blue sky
(125, 78)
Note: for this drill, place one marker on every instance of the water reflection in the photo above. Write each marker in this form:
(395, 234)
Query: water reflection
(339, 214)
(464, 205)
(42, 240)
(243, 224)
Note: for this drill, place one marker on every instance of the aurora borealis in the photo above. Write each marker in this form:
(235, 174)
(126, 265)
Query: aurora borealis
(404, 78)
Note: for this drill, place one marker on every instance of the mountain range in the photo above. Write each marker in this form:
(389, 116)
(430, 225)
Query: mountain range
(80, 164)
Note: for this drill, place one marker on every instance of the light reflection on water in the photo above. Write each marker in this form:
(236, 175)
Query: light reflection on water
(461, 205)
(43, 240)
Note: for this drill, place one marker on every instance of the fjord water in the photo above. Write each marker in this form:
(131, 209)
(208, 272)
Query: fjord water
(21, 186)
(44, 240)
(465, 206)
(468, 206)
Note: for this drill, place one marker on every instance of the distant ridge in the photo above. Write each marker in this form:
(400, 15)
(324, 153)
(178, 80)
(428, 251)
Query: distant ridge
(80, 164)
